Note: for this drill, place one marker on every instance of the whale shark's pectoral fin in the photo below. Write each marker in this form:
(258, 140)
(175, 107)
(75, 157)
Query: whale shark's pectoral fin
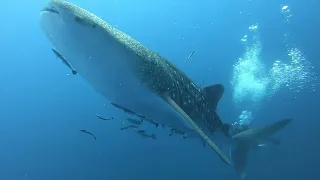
(196, 128)
(239, 158)
(213, 94)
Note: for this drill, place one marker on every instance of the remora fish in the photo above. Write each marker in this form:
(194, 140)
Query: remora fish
(125, 110)
(103, 118)
(150, 121)
(190, 55)
(87, 132)
(64, 61)
(128, 127)
(253, 138)
(176, 131)
(126, 72)
(134, 121)
(144, 134)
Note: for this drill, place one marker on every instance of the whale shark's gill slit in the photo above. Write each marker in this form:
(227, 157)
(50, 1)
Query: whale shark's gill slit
(82, 21)
(197, 129)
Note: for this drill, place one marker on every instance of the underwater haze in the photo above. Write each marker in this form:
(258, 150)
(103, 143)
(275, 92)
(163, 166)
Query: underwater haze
(264, 53)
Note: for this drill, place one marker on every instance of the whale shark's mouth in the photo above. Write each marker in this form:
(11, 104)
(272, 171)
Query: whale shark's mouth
(50, 9)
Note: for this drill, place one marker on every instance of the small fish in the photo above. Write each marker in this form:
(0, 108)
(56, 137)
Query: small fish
(126, 110)
(176, 131)
(127, 127)
(145, 135)
(144, 118)
(103, 118)
(134, 121)
(64, 61)
(87, 132)
(190, 55)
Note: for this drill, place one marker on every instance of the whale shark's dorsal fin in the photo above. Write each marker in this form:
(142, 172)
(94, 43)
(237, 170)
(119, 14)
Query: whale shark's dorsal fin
(213, 94)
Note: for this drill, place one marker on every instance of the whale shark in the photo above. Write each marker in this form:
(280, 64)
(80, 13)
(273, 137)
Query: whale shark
(253, 138)
(128, 74)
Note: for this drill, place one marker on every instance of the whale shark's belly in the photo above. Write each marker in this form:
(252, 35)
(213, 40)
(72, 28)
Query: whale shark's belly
(108, 67)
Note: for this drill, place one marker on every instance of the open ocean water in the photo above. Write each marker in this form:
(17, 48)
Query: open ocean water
(264, 53)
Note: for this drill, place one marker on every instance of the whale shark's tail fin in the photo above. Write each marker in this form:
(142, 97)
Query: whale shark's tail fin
(262, 132)
(239, 158)
(249, 139)
(271, 129)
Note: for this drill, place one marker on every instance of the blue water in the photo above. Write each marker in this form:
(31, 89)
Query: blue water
(42, 107)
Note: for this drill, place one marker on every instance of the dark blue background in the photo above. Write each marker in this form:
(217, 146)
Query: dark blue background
(42, 108)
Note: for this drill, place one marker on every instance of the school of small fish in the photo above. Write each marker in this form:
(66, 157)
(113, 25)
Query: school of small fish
(135, 123)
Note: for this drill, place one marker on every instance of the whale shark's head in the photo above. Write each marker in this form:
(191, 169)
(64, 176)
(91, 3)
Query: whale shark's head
(64, 23)
(58, 13)
(54, 15)
(91, 46)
